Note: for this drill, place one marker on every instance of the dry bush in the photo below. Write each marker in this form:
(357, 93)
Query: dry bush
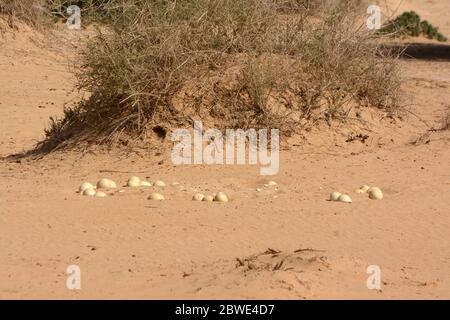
(102, 11)
(240, 63)
(32, 12)
(41, 13)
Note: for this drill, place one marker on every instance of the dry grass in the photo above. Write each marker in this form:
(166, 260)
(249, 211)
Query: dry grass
(445, 125)
(41, 13)
(237, 63)
(32, 12)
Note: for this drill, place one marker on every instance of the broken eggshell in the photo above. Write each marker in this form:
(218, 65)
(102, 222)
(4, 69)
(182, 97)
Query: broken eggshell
(198, 197)
(365, 188)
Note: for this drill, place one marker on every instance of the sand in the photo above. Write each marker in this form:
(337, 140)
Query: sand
(289, 243)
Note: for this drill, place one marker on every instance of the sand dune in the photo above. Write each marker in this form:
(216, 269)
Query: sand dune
(288, 242)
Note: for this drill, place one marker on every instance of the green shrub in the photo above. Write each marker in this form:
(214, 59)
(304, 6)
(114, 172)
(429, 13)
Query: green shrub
(409, 24)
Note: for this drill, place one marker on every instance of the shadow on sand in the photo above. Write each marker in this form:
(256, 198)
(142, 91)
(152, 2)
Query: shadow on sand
(422, 51)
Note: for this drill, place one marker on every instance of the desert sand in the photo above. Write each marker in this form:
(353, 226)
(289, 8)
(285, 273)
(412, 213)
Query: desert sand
(289, 243)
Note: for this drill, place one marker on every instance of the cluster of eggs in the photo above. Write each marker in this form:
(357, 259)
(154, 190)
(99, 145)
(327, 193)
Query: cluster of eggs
(217, 197)
(337, 196)
(374, 193)
(87, 189)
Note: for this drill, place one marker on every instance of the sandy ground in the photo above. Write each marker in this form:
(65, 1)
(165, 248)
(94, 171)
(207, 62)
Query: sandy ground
(129, 247)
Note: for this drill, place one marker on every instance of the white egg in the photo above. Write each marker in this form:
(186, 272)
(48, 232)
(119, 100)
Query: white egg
(89, 192)
(334, 196)
(156, 196)
(160, 183)
(145, 184)
(221, 197)
(100, 194)
(258, 189)
(106, 184)
(134, 182)
(208, 198)
(84, 186)
(198, 197)
(360, 191)
(345, 198)
(375, 193)
(272, 183)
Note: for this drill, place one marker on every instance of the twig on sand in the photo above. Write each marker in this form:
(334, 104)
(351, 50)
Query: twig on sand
(7, 175)
(308, 249)
(118, 171)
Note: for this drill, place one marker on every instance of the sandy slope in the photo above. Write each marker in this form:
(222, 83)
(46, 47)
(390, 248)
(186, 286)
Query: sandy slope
(129, 247)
